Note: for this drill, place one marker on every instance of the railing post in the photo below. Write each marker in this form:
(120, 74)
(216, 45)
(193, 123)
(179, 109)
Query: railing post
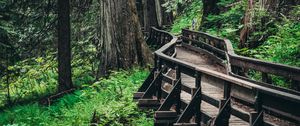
(258, 109)
(224, 113)
(162, 40)
(155, 62)
(178, 72)
(266, 78)
(227, 90)
(158, 89)
(158, 39)
(296, 85)
(199, 97)
(178, 100)
(253, 117)
(227, 107)
(154, 37)
(159, 63)
(258, 101)
(159, 83)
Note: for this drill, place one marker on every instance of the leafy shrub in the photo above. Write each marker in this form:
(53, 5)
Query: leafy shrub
(110, 98)
(37, 77)
(190, 14)
(284, 47)
(229, 21)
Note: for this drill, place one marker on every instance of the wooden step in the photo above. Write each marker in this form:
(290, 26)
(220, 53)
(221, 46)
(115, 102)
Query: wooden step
(138, 95)
(148, 103)
(165, 118)
(165, 115)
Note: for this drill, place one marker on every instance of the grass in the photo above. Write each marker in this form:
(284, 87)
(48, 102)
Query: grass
(110, 98)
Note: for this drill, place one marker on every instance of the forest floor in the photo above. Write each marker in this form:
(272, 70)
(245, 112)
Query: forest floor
(109, 99)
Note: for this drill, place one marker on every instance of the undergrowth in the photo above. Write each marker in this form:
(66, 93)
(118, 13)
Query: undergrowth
(110, 98)
(37, 77)
(191, 14)
(276, 38)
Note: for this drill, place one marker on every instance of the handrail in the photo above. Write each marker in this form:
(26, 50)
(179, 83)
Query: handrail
(234, 60)
(240, 82)
(265, 96)
(159, 37)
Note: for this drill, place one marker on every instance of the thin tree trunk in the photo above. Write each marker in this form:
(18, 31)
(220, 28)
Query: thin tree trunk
(159, 13)
(64, 46)
(151, 19)
(145, 11)
(120, 40)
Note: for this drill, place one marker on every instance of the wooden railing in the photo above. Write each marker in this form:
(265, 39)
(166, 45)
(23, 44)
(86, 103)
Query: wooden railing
(274, 101)
(239, 65)
(159, 37)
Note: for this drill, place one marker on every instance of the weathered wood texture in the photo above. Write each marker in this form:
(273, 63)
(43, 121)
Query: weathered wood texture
(120, 40)
(200, 90)
(238, 65)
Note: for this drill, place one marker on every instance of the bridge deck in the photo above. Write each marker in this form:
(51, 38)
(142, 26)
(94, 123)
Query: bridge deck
(213, 88)
(206, 51)
(208, 87)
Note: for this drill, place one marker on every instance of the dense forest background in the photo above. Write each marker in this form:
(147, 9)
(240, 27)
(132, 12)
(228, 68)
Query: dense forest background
(263, 29)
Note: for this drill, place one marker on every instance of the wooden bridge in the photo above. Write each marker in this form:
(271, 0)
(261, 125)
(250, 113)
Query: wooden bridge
(198, 80)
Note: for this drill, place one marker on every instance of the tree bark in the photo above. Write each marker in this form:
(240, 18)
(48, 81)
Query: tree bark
(245, 32)
(150, 18)
(120, 39)
(64, 46)
(159, 13)
(145, 12)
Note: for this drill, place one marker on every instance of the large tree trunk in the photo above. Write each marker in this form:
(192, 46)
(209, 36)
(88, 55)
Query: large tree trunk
(64, 46)
(120, 40)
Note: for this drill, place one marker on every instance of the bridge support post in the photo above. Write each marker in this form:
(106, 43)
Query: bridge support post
(256, 120)
(189, 111)
(164, 115)
(178, 101)
(155, 61)
(296, 85)
(266, 78)
(258, 108)
(199, 96)
(227, 90)
(224, 115)
(225, 107)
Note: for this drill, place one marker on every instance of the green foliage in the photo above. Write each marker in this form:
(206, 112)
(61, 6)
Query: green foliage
(275, 39)
(110, 98)
(227, 23)
(172, 5)
(192, 12)
(37, 77)
(284, 47)
(295, 13)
